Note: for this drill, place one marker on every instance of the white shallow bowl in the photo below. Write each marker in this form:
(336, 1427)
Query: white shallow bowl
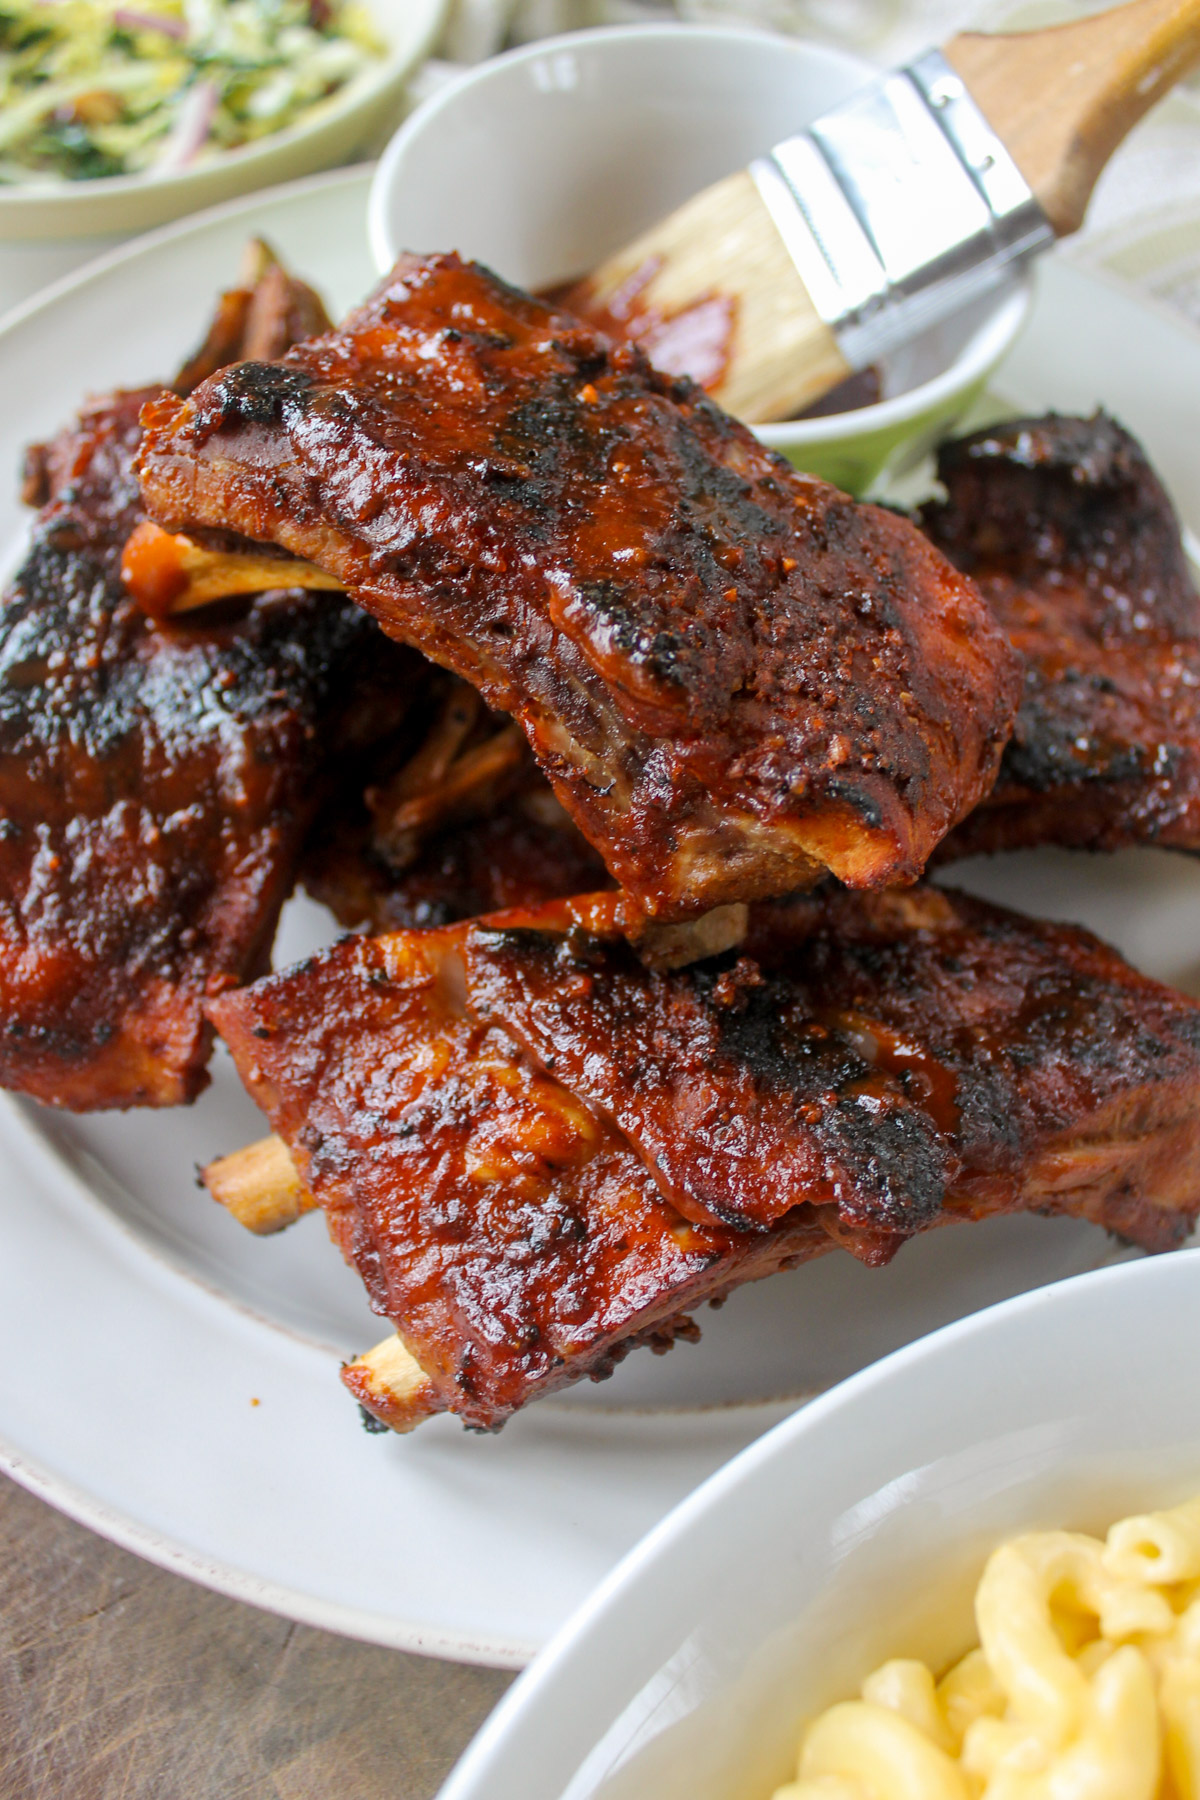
(542, 161)
(855, 1531)
(345, 125)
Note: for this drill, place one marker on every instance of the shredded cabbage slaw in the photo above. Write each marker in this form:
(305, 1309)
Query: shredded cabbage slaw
(93, 88)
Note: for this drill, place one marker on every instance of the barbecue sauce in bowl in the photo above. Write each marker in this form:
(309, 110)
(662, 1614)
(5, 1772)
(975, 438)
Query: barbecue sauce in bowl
(696, 340)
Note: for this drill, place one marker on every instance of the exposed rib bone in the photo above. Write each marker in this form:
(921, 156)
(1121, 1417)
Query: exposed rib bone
(391, 1384)
(259, 1186)
(167, 573)
(690, 940)
(468, 786)
(458, 715)
(612, 914)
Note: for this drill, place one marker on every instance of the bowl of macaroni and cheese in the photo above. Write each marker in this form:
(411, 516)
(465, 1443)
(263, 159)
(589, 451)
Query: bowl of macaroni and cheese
(971, 1572)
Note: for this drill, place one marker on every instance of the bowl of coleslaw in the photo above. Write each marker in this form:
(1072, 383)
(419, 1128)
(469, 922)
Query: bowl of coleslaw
(115, 117)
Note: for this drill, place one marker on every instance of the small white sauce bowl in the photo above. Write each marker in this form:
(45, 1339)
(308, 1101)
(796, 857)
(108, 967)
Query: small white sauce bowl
(341, 127)
(541, 162)
(855, 1531)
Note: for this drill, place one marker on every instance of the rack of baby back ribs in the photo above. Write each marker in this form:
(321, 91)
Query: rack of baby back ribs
(628, 746)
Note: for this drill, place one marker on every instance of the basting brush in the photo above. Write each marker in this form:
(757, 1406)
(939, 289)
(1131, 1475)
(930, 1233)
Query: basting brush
(903, 204)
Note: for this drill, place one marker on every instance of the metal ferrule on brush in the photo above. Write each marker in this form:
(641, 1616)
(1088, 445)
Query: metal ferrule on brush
(899, 207)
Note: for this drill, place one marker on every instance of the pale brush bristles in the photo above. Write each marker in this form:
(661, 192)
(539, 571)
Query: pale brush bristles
(782, 355)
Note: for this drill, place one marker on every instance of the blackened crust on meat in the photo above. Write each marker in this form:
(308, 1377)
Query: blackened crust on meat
(1076, 547)
(898, 1058)
(738, 1093)
(1068, 1072)
(514, 1239)
(733, 675)
(263, 393)
(1064, 492)
(155, 785)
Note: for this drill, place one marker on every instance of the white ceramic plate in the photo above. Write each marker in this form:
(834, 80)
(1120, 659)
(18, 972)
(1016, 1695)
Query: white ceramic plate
(853, 1533)
(138, 1323)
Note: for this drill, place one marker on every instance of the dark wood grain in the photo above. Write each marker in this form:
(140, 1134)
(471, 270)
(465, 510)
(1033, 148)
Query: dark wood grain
(121, 1682)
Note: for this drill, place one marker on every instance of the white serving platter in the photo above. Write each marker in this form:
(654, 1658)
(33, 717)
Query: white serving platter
(173, 1382)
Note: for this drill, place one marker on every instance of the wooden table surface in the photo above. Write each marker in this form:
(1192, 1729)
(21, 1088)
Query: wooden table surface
(121, 1682)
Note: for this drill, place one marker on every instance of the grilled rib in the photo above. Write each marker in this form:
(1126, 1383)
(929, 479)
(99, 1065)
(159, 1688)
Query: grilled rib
(518, 1238)
(538, 1154)
(734, 676)
(156, 782)
(1076, 547)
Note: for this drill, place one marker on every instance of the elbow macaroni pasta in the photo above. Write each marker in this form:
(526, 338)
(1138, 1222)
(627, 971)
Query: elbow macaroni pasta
(1085, 1685)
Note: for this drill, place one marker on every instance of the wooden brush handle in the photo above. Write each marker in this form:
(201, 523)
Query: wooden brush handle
(1063, 99)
